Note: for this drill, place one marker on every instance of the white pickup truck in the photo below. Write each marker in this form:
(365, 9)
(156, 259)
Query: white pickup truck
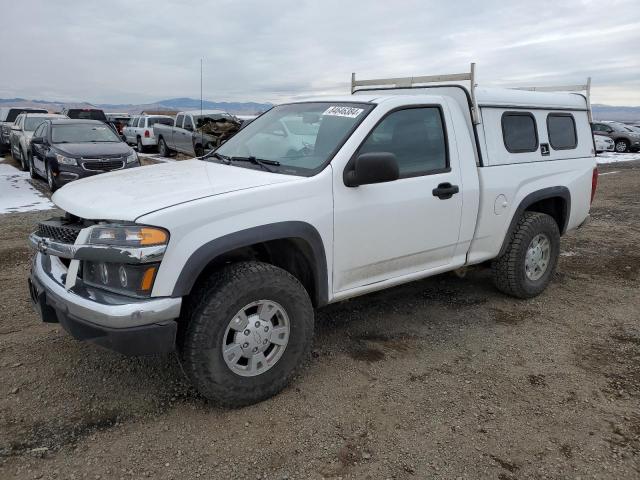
(225, 258)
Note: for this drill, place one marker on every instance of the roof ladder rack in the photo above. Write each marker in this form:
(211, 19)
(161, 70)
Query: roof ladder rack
(566, 88)
(408, 82)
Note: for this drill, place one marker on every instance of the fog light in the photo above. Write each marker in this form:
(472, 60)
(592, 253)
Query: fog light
(122, 273)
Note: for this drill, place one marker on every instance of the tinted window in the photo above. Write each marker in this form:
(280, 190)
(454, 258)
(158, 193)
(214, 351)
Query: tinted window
(87, 114)
(141, 122)
(561, 128)
(415, 136)
(160, 120)
(83, 133)
(519, 132)
(188, 123)
(179, 120)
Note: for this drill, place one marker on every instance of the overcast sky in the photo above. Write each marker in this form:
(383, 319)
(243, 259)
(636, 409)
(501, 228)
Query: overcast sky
(125, 51)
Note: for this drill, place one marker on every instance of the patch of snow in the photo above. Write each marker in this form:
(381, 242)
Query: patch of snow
(16, 192)
(612, 157)
(156, 157)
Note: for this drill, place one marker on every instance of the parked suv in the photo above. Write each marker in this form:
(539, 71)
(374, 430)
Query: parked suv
(625, 138)
(224, 258)
(63, 150)
(7, 116)
(139, 131)
(22, 131)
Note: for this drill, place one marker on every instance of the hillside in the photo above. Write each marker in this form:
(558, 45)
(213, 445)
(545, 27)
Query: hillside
(600, 112)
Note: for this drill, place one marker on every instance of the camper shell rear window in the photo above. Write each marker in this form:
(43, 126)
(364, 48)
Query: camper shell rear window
(561, 128)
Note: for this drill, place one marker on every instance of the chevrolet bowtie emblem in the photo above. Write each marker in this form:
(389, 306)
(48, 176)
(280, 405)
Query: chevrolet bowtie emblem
(42, 246)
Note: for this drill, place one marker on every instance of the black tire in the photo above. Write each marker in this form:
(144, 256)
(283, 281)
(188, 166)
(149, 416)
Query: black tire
(214, 304)
(24, 161)
(139, 145)
(32, 169)
(509, 273)
(198, 150)
(622, 146)
(51, 180)
(163, 150)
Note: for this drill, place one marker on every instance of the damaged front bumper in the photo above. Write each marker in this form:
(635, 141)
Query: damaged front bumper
(132, 326)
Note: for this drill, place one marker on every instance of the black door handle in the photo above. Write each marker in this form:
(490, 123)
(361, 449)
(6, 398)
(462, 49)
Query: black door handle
(445, 191)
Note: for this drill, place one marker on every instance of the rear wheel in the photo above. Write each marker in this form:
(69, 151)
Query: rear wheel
(527, 266)
(622, 146)
(199, 150)
(249, 328)
(163, 150)
(140, 145)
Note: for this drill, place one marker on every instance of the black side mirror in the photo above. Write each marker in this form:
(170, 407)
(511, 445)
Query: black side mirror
(368, 168)
(38, 140)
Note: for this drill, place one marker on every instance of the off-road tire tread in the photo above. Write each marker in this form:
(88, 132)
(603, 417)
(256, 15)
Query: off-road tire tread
(207, 300)
(506, 269)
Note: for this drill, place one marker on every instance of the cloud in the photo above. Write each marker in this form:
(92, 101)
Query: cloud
(143, 51)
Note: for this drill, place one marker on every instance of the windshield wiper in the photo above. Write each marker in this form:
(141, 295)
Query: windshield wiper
(256, 161)
(216, 155)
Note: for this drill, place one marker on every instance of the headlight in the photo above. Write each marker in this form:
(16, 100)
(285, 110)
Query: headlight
(122, 278)
(132, 158)
(65, 160)
(128, 236)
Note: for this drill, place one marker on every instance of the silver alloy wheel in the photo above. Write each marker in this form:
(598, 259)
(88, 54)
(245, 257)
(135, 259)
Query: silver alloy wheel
(256, 338)
(537, 257)
(621, 147)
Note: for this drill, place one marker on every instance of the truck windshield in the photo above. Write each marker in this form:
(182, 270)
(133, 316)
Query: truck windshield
(82, 133)
(300, 138)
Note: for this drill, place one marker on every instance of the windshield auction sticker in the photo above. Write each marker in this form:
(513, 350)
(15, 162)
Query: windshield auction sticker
(349, 112)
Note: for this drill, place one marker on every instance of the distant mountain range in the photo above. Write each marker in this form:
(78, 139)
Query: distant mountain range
(600, 112)
(171, 104)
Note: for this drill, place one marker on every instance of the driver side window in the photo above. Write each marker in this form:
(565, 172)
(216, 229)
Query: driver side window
(417, 138)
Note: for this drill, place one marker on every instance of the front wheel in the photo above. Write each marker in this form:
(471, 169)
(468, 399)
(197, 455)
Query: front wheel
(249, 327)
(24, 160)
(163, 150)
(51, 181)
(527, 266)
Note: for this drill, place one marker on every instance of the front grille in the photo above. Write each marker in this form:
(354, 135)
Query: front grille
(102, 165)
(59, 230)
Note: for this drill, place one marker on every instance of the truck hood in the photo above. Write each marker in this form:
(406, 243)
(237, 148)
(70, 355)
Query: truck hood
(128, 194)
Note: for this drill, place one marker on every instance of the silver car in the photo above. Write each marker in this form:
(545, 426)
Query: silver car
(22, 131)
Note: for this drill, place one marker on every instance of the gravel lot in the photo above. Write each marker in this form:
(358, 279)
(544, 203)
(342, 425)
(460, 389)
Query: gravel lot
(441, 378)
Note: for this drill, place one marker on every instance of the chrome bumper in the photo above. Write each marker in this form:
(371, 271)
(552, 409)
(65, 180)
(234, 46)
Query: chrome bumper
(93, 306)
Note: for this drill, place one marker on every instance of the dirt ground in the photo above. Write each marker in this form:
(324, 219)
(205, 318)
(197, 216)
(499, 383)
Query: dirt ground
(441, 378)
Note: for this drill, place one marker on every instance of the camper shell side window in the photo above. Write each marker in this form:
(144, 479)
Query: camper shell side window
(519, 132)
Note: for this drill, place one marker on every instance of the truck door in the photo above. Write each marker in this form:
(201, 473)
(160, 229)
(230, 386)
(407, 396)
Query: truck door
(176, 132)
(410, 225)
(186, 138)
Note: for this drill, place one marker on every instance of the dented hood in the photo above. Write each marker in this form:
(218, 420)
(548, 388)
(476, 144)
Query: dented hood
(128, 194)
